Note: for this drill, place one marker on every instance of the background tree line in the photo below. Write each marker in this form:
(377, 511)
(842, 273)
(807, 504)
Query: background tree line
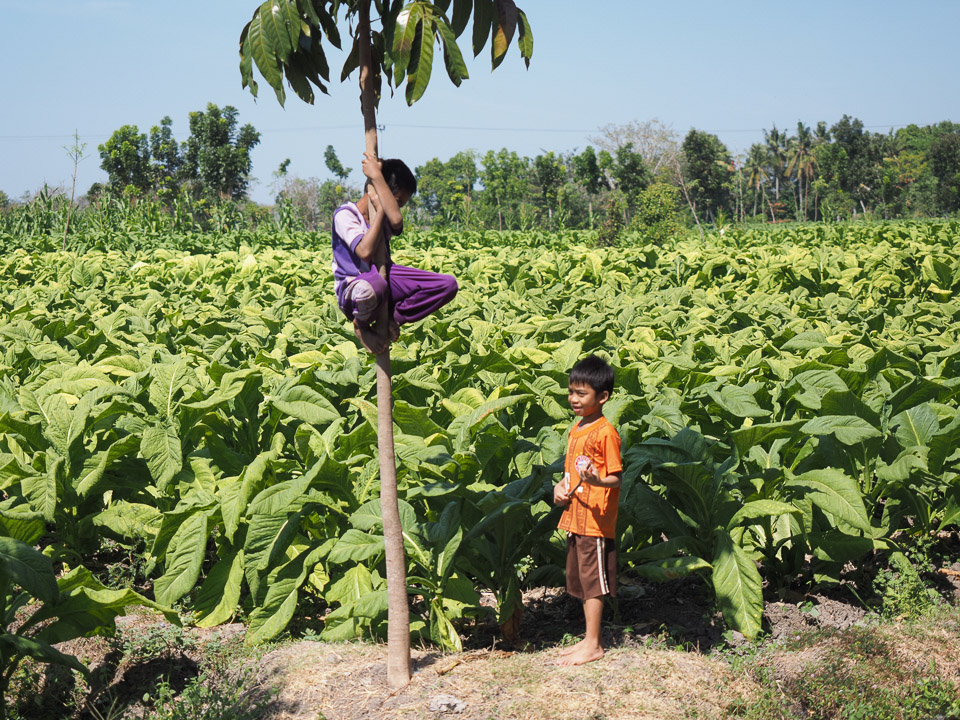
(639, 169)
(643, 176)
(213, 162)
(638, 175)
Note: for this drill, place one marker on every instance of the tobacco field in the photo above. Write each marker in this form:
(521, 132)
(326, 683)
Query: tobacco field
(787, 401)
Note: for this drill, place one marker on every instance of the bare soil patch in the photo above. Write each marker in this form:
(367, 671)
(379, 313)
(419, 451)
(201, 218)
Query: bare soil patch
(668, 657)
(346, 682)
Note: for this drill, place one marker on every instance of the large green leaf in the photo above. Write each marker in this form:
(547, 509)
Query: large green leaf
(342, 623)
(738, 402)
(161, 448)
(738, 586)
(42, 490)
(838, 547)
(305, 403)
(356, 546)
(21, 523)
(28, 568)
(184, 559)
(269, 620)
(504, 27)
(848, 429)
(670, 568)
(916, 426)
(761, 509)
(86, 608)
(219, 595)
(369, 516)
(168, 379)
(264, 534)
(92, 474)
(421, 61)
(452, 58)
(259, 44)
(235, 495)
(524, 37)
(833, 491)
(129, 520)
(17, 646)
(951, 511)
(748, 437)
(403, 36)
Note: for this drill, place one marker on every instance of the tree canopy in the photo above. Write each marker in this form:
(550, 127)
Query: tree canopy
(289, 40)
(213, 162)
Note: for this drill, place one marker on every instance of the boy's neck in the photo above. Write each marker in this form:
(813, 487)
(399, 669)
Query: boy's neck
(363, 205)
(590, 419)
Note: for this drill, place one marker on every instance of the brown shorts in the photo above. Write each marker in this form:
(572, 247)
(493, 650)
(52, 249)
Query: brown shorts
(591, 566)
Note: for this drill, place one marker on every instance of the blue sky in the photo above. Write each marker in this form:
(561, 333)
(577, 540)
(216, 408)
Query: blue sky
(731, 68)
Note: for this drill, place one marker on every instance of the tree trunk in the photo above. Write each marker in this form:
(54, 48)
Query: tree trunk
(398, 612)
(693, 209)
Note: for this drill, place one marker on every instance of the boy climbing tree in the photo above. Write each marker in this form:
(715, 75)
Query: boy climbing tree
(361, 247)
(285, 40)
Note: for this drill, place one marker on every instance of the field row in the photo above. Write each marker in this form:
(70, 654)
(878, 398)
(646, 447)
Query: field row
(212, 416)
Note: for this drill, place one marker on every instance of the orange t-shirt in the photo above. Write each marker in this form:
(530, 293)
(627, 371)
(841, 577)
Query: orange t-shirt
(592, 510)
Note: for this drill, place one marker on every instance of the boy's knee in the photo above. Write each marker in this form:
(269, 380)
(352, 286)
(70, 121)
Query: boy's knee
(365, 300)
(450, 286)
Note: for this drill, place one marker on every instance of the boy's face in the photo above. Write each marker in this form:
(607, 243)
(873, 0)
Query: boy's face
(402, 197)
(584, 400)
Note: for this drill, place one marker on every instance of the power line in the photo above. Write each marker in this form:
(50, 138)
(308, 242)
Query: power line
(470, 128)
(473, 128)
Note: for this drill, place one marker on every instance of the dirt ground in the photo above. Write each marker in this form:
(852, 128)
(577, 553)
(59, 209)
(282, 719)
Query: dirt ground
(668, 656)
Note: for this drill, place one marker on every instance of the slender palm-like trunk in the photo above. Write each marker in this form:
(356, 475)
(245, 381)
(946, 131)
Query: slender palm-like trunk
(398, 612)
(76, 154)
(741, 210)
(693, 208)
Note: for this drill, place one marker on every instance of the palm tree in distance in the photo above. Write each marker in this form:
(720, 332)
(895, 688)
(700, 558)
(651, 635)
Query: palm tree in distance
(756, 169)
(777, 156)
(801, 164)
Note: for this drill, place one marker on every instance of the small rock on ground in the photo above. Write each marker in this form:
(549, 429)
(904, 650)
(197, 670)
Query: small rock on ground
(447, 704)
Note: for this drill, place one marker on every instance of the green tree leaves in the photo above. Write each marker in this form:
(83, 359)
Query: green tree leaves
(284, 40)
(214, 162)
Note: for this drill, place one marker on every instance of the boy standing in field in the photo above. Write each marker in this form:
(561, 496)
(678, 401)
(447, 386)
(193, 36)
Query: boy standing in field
(590, 490)
(361, 246)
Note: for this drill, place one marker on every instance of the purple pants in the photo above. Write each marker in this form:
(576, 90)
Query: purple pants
(414, 293)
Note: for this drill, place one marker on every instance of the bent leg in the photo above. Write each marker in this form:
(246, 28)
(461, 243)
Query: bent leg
(417, 293)
(360, 302)
(364, 296)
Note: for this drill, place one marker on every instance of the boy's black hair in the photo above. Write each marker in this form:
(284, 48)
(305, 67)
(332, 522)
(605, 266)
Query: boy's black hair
(398, 176)
(593, 371)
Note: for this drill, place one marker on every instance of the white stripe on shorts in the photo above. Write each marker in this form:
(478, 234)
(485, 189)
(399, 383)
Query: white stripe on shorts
(602, 567)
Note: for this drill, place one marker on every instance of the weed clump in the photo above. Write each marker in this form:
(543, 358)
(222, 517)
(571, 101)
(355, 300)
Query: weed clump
(900, 588)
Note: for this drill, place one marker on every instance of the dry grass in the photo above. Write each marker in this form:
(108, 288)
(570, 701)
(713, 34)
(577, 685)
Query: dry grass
(324, 681)
(346, 682)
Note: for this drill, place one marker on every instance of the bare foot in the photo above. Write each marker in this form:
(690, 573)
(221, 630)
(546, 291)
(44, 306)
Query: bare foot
(393, 331)
(369, 338)
(571, 649)
(581, 657)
